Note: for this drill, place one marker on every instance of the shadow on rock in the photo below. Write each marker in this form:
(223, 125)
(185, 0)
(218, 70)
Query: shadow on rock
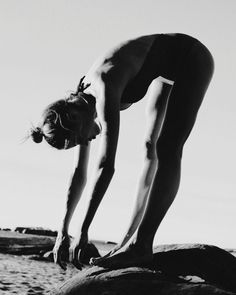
(214, 265)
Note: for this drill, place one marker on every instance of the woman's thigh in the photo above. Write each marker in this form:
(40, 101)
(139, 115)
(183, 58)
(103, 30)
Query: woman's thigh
(185, 99)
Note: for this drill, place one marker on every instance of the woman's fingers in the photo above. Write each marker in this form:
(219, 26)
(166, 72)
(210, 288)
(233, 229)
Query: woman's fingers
(62, 264)
(73, 251)
(77, 264)
(57, 258)
(71, 255)
(74, 255)
(55, 255)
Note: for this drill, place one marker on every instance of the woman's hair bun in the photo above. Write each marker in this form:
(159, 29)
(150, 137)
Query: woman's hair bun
(37, 134)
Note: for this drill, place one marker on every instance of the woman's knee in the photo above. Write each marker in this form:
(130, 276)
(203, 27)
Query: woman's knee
(169, 150)
(150, 150)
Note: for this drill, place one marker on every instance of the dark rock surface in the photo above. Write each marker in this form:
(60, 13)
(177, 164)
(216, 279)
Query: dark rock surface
(210, 263)
(215, 266)
(40, 231)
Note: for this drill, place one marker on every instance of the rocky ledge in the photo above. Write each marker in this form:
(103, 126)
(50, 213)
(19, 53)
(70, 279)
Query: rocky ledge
(24, 244)
(175, 269)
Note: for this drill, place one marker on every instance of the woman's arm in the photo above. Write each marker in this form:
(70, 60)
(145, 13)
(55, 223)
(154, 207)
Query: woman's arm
(109, 115)
(77, 184)
(109, 118)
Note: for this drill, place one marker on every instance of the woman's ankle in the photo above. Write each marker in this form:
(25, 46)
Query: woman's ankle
(141, 247)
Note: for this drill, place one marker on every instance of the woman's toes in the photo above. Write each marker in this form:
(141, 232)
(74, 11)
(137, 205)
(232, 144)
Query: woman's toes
(95, 261)
(92, 261)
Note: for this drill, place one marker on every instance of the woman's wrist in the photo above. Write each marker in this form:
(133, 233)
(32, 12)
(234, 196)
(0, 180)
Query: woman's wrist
(65, 223)
(84, 230)
(64, 230)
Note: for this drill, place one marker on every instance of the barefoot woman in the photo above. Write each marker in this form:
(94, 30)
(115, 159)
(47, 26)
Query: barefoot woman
(176, 69)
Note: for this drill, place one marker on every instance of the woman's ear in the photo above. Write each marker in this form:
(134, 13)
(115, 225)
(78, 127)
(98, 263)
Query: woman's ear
(53, 116)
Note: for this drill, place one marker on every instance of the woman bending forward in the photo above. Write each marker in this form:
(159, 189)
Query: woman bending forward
(176, 69)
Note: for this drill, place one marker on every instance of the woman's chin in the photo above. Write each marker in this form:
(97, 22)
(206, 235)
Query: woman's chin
(70, 146)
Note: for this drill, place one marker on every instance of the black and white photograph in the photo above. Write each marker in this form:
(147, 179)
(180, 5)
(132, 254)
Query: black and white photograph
(118, 140)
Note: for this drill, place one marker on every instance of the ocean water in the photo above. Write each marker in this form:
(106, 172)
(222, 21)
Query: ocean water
(23, 276)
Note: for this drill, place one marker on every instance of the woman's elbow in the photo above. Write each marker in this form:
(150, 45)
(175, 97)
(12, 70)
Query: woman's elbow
(80, 177)
(107, 168)
(111, 170)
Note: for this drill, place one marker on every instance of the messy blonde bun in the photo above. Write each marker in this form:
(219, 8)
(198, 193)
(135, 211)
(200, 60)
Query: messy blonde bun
(59, 128)
(37, 134)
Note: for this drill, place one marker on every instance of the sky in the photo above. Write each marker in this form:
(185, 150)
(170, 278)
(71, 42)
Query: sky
(46, 47)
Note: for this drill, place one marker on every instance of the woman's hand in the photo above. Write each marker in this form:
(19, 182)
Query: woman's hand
(61, 249)
(76, 250)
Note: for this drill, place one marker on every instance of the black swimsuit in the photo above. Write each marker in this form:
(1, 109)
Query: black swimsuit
(165, 58)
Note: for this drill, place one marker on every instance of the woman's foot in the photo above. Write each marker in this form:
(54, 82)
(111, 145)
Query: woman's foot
(95, 260)
(125, 257)
(110, 253)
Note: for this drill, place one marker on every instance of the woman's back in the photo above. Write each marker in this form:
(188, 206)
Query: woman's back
(165, 58)
(132, 65)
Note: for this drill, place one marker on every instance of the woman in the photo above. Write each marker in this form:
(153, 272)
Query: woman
(176, 69)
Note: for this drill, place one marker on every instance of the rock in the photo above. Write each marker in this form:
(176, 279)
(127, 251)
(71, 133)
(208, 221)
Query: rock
(89, 252)
(24, 244)
(40, 231)
(210, 263)
(215, 266)
(19, 229)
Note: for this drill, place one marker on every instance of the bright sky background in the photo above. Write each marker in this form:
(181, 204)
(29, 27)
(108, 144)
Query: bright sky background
(45, 48)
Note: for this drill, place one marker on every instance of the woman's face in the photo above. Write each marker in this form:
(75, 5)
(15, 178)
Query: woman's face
(75, 138)
(83, 128)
